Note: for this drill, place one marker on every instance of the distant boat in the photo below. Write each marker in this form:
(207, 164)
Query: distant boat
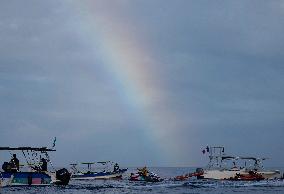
(224, 167)
(103, 171)
(36, 173)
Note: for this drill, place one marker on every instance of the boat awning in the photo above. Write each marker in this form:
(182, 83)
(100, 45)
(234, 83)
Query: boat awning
(229, 157)
(39, 149)
(253, 158)
(104, 162)
(88, 163)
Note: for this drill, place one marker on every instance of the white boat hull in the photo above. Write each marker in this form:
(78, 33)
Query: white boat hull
(220, 174)
(231, 174)
(270, 174)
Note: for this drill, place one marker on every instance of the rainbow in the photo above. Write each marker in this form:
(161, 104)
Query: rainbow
(127, 59)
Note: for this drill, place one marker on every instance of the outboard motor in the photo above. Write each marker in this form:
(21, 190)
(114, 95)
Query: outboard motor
(63, 176)
(7, 167)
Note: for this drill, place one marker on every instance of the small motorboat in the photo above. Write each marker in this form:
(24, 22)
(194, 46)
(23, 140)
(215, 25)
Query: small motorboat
(144, 175)
(36, 173)
(103, 171)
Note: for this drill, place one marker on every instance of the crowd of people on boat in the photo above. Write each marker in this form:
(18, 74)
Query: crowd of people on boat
(14, 165)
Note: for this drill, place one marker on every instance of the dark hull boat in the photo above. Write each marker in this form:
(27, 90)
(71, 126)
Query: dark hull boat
(24, 179)
(33, 178)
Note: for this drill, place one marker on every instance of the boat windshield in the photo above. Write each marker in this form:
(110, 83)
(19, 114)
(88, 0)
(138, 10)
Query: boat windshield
(87, 167)
(253, 163)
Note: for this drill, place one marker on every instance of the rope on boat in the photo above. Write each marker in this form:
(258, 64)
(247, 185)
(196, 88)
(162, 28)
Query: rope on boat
(28, 162)
(35, 159)
(47, 156)
(31, 161)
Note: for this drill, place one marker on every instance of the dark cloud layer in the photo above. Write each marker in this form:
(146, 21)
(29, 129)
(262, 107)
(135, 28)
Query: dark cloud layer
(220, 68)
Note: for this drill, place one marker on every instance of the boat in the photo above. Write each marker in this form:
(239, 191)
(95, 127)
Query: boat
(103, 173)
(224, 167)
(35, 173)
(254, 164)
(144, 175)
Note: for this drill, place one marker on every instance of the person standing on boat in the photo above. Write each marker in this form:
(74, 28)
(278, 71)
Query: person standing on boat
(115, 167)
(143, 171)
(43, 164)
(15, 164)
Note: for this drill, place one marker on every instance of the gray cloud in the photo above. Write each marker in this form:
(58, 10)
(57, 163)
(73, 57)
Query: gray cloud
(220, 70)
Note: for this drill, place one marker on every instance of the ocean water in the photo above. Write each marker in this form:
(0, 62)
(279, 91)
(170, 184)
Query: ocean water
(192, 186)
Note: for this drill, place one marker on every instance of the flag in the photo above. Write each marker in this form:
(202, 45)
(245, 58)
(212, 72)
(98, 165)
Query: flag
(207, 149)
(54, 141)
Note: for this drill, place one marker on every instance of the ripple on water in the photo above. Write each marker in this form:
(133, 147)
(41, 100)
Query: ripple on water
(125, 186)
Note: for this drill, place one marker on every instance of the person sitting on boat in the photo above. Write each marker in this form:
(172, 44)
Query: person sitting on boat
(115, 167)
(6, 167)
(256, 165)
(15, 164)
(153, 174)
(43, 164)
(143, 171)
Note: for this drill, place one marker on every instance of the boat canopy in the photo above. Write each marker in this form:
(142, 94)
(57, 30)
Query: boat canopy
(103, 163)
(88, 163)
(39, 149)
(229, 157)
(253, 158)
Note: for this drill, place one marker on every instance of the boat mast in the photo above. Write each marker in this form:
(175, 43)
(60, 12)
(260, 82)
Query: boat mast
(215, 156)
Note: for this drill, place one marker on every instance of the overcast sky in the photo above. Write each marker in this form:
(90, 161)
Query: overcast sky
(213, 74)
